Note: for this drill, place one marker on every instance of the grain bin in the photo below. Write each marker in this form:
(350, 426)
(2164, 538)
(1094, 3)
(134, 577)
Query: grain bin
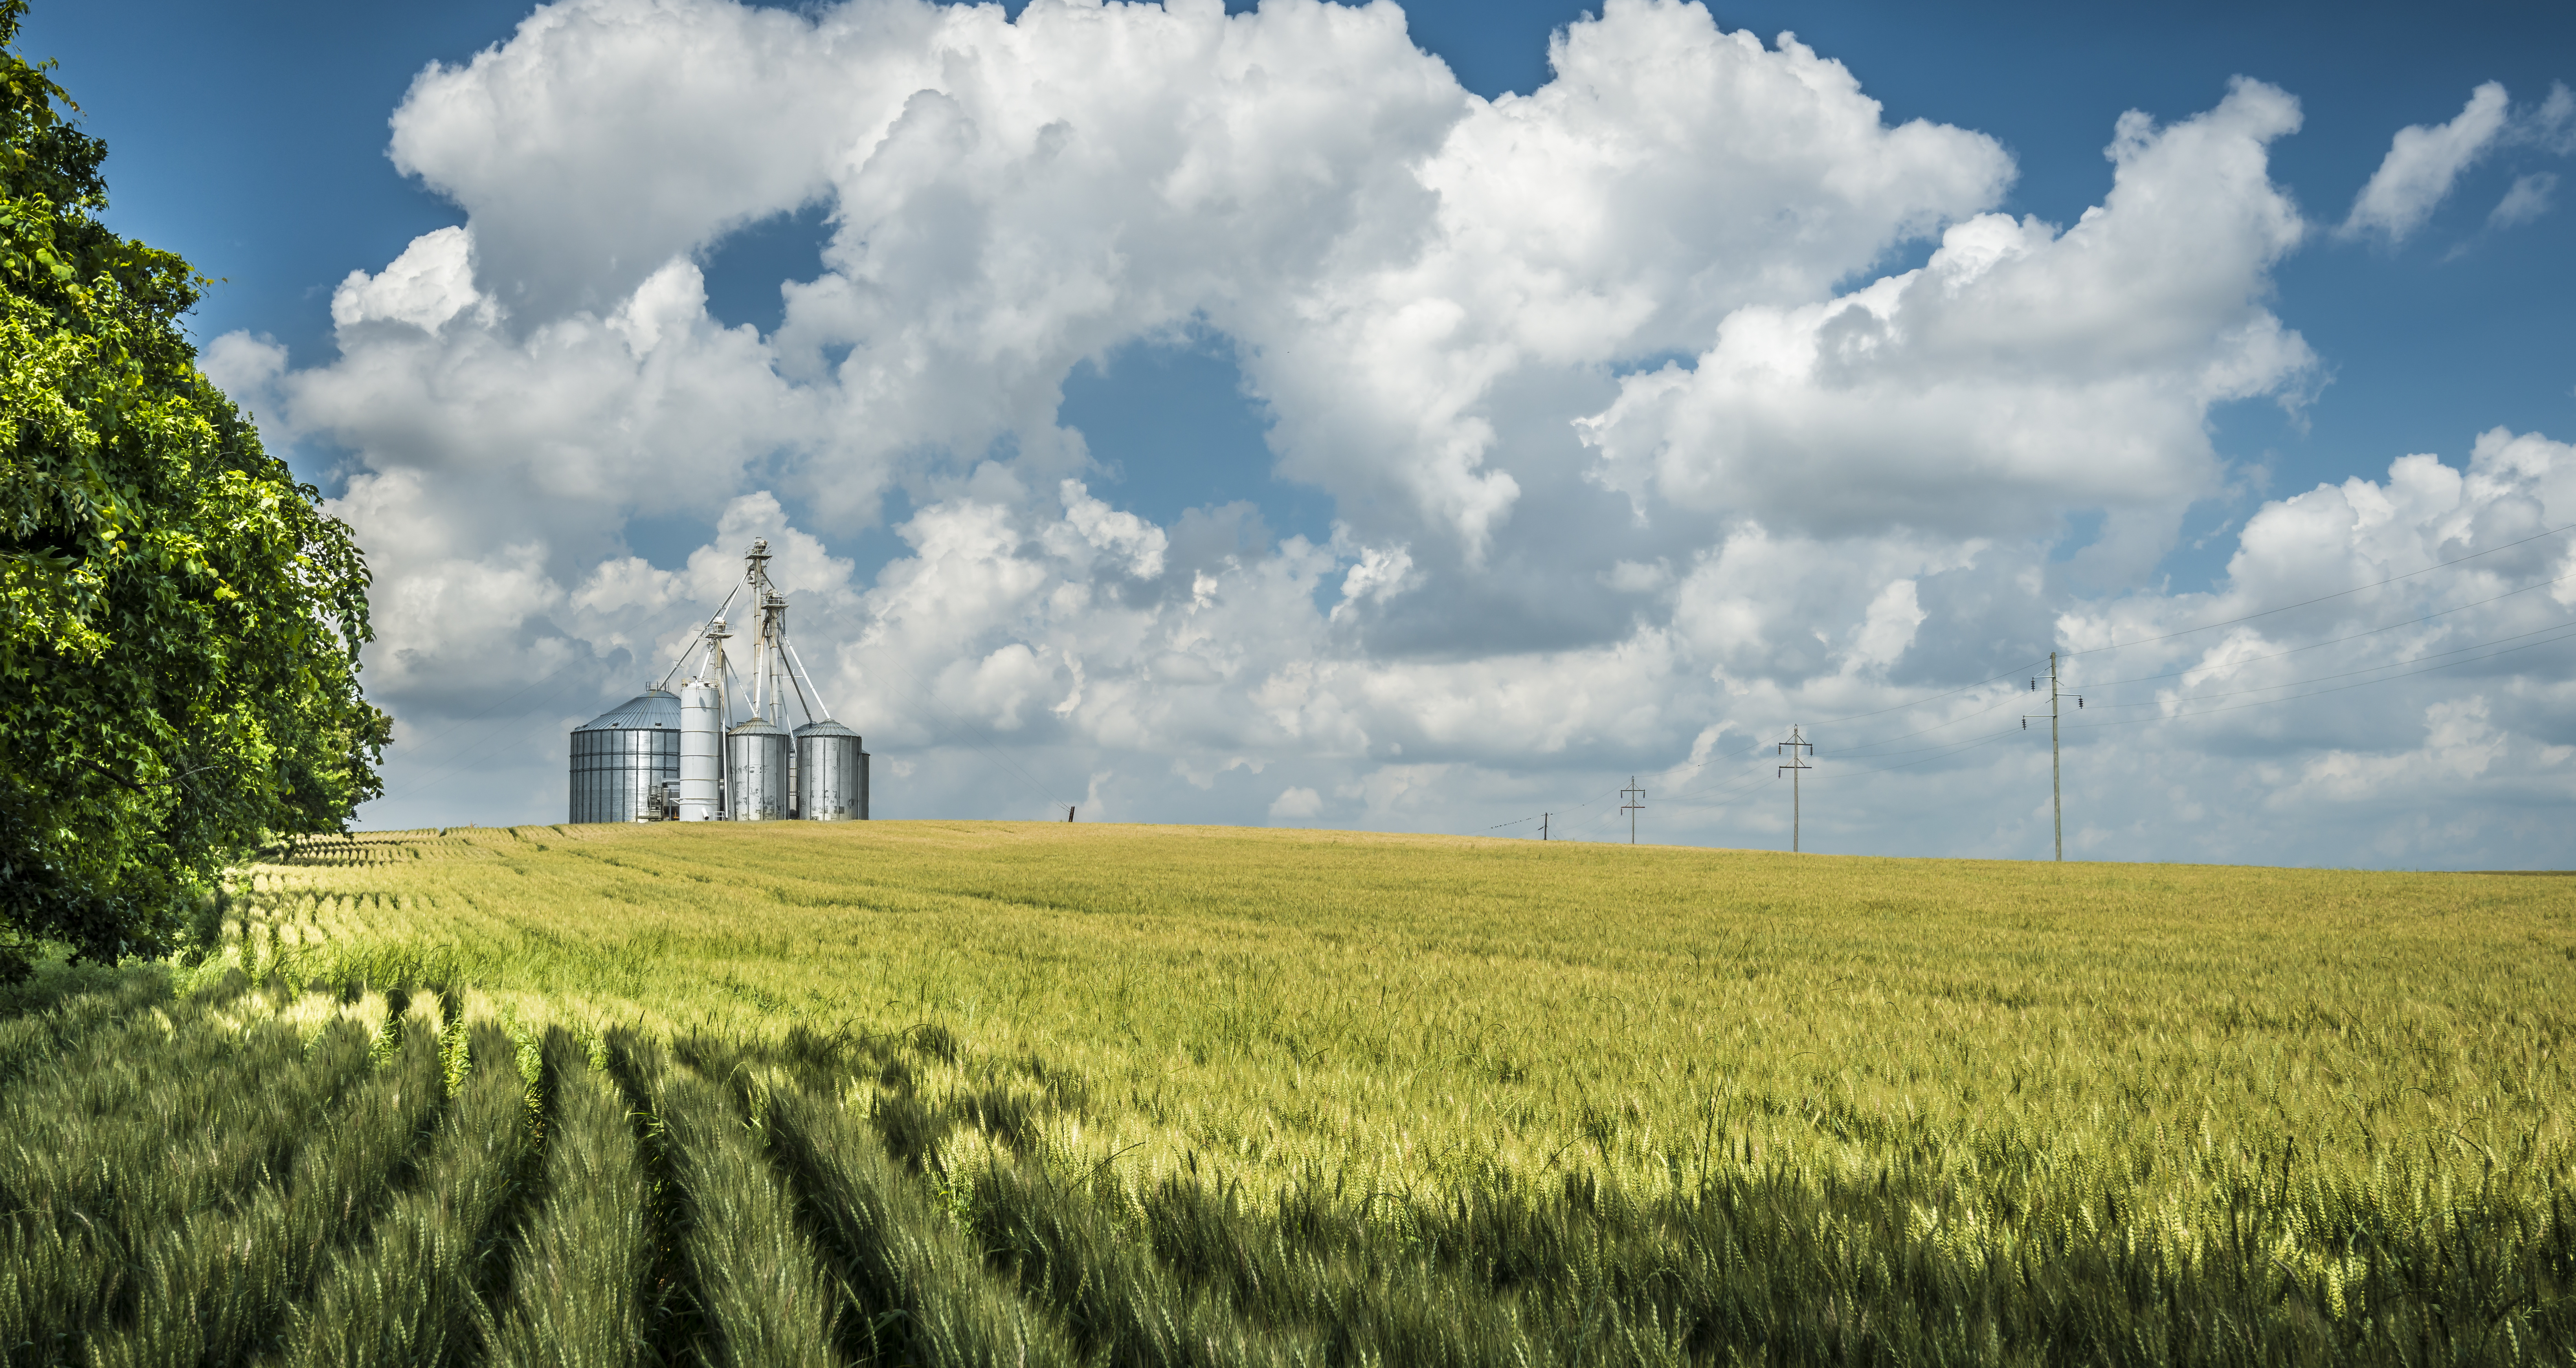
(623, 758)
(756, 754)
(831, 774)
(695, 765)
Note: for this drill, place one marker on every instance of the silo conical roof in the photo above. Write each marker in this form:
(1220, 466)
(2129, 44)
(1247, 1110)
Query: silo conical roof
(651, 708)
(825, 729)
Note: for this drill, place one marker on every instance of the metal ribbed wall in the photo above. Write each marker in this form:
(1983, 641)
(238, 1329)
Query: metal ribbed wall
(831, 780)
(756, 759)
(615, 771)
(621, 759)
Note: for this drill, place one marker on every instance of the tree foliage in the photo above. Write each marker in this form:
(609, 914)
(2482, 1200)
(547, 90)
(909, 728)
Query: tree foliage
(180, 620)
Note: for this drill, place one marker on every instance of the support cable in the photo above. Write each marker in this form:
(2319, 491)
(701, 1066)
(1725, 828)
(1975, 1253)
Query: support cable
(700, 635)
(793, 669)
(798, 662)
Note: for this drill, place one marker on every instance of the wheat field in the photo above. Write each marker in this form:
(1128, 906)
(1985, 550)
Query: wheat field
(981, 1093)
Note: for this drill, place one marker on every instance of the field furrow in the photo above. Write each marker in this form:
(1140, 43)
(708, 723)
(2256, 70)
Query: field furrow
(412, 1294)
(160, 1127)
(753, 1276)
(1119, 1303)
(975, 1094)
(216, 1286)
(917, 1289)
(577, 1294)
(43, 1025)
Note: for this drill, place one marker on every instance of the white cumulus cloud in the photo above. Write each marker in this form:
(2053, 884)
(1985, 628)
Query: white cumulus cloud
(2423, 162)
(2022, 370)
(1638, 448)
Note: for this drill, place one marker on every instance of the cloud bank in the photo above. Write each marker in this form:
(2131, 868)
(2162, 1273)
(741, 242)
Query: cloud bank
(1642, 444)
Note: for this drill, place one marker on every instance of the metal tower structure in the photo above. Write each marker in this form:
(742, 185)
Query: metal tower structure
(736, 758)
(1797, 766)
(2056, 794)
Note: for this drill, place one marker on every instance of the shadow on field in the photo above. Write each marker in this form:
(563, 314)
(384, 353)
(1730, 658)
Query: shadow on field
(462, 1194)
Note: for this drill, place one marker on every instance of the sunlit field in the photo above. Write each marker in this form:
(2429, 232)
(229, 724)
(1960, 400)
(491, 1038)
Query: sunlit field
(979, 1093)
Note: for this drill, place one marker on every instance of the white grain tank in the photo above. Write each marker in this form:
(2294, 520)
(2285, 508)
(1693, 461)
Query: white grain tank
(756, 755)
(622, 758)
(701, 756)
(831, 774)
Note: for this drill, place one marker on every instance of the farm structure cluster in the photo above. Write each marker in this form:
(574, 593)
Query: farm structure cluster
(683, 756)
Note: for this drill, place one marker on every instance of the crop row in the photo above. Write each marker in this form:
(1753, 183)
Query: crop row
(1193, 1097)
(1424, 1016)
(248, 1175)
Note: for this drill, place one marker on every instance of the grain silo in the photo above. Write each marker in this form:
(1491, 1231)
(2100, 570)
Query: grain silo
(831, 773)
(625, 760)
(701, 797)
(719, 749)
(756, 761)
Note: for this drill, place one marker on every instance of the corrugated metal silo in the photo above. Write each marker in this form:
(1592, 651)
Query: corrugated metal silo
(756, 756)
(622, 758)
(831, 774)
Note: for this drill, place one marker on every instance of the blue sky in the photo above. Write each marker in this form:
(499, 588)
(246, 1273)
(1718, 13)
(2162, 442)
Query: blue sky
(280, 185)
(254, 139)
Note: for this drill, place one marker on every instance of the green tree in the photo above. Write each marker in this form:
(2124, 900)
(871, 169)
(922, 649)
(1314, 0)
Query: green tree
(180, 621)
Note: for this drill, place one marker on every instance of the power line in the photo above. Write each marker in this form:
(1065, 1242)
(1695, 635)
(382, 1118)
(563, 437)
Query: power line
(1935, 752)
(2353, 636)
(2321, 598)
(1857, 749)
(2346, 674)
(2313, 693)
(1724, 792)
(1954, 748)
(2014, 673)
(1709, 797)
(1863, 748)
(1973, 743)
